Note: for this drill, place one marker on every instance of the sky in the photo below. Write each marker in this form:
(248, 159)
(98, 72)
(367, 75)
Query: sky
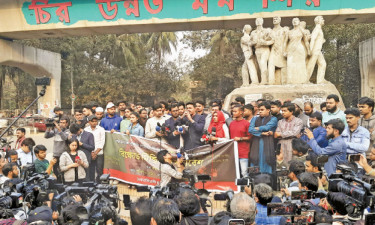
(187, 54)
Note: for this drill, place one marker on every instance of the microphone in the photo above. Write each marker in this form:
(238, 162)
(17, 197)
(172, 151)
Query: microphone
(213, 131)
(158, 127)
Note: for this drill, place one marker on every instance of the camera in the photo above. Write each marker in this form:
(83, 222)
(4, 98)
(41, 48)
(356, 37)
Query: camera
(354, 158)
(50, 122)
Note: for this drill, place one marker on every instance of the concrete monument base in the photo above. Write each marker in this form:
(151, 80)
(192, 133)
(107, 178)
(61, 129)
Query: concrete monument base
(315, 93)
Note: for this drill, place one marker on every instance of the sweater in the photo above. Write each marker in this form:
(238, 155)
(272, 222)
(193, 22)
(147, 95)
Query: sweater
(69, 173)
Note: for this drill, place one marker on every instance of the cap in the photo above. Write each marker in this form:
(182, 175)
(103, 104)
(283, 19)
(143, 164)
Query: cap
(110, 105)
(298, 102)
(56, 109)
(42, 213)
(99, 109)
(92, 117)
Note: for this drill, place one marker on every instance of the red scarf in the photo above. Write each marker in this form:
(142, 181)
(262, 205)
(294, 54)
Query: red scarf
(219, 124)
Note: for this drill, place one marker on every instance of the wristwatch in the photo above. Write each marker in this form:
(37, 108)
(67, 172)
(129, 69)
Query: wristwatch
(240, 138)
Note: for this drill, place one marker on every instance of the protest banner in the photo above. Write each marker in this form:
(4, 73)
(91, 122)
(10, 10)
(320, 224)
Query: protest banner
(132, 159)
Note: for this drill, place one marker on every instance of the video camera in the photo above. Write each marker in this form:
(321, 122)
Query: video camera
(358, 192)
(50, 122)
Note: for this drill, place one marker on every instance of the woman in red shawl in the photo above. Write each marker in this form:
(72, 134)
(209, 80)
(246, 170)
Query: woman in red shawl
(222, 131)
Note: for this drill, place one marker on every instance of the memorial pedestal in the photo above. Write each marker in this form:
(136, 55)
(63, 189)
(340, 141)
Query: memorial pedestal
(315, 93)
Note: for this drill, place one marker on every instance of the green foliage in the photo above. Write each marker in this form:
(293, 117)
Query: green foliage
(132, 66)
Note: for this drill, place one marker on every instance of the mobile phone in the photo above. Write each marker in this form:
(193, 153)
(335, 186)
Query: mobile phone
(236, 222)
(354, 158)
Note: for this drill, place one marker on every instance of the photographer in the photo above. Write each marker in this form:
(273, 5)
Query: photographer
(41, 164)
(313, 166)
(309, 182)
(299, 149)
(73, 163)
(168, 171)
(341, 205)
(60, 133)
(189, 205)
(368, 169)
(243, 207)
(165, 212)
(262, 196)
(295, 168)
(318, 130)
(336, 149)
(10, 172)
(13, 156)
(25, 153)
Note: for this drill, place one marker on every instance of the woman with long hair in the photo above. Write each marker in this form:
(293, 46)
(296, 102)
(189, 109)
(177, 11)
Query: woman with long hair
(73, 163)
(134, 127)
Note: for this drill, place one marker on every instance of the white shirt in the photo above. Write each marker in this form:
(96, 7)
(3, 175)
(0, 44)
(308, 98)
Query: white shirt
(25, 158)
(150, 129)
(99, 137)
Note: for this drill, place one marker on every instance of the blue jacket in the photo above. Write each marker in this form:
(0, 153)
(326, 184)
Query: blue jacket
(137, 130)
(320, 135)
(336, 151)
(109, 123)
(358, 141)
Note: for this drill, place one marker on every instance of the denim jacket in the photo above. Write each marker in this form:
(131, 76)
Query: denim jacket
(137, 130)
(357, 142)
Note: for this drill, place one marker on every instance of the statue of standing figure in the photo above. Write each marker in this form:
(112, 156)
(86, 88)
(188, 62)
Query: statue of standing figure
(316, 44)
(277, 59)
(284, 56)
(248, 68)
(262, 48)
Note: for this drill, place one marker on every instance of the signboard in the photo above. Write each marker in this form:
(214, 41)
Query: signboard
(68, 12)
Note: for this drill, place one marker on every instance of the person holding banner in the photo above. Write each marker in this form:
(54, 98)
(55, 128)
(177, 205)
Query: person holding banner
(169, 173)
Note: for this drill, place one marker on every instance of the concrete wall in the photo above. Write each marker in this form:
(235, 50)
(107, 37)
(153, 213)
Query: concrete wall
(38, 63)
(367, 67)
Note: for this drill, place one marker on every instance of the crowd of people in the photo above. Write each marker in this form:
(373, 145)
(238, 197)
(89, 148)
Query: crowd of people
(271, 135)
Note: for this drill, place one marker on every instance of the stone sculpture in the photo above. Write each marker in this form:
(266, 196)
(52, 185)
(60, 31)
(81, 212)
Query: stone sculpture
(316, 44)
(262, 48)
(284, 56)
(296, 54)
(277, 59)
(248, 68)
